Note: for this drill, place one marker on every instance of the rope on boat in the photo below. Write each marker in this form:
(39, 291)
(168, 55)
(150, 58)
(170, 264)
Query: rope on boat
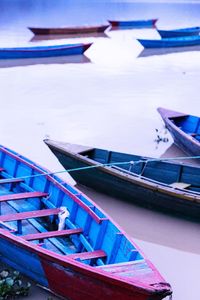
(131, 162)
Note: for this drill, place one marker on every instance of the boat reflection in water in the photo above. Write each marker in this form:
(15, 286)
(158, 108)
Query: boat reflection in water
(44, 37)
(70, 59)
(163, 51)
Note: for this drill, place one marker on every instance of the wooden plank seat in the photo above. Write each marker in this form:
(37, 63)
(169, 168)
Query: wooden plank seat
(180, 185)
(30, 214)
(50, 234)
(11, 180)
(88, 255)
(20, 196)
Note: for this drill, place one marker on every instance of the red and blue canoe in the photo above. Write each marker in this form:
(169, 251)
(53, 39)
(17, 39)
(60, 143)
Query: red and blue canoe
(56, 235)
(68, 30)
(179, 32)
(133, 23)
(171, 42)
(43, 51)
(184, 128)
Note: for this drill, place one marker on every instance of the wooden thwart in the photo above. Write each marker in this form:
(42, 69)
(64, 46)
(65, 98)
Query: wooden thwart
(88, 255)
(50, 234)
(20, 196)
(30, 215)
(11, 180)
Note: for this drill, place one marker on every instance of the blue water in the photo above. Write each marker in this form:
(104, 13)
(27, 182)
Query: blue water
(108, 99)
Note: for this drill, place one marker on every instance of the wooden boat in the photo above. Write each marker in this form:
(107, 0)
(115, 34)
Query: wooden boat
(43, 51)
(133, 23)
(171, 42)
(68, 30)
(153, 183)
(179, 32)
(60, 238)
(184, 128)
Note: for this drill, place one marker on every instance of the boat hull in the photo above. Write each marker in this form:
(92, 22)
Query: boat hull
(130, 188)
(134, 23)
(65, 279)
(69, 30)
(171, 42)
(46, 51)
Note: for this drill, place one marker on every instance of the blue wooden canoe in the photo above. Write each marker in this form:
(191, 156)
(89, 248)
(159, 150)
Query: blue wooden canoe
(133, 23)
(153, 183)
(184, 128)
(179, 32)
(43, 51)
(171, 42)
(57, 236)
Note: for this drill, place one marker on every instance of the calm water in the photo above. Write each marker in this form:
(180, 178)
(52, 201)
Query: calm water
(106, 98)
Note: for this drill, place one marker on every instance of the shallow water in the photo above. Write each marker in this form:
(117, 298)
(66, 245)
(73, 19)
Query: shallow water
(108, 99)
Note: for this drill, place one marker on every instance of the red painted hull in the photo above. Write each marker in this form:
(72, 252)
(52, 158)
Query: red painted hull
(78, 286)
(69, 30)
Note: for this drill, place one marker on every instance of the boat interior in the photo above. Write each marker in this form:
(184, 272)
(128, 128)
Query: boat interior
(160, 171)
(49, 213)
(189, 124)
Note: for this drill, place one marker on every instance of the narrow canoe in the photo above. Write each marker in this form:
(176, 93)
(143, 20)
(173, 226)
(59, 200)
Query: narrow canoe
(184, 128)
(134, 23)
(68, 30)
(152, 183)
(171, 42)
(60, 238)
(43, 51)
(179, 32)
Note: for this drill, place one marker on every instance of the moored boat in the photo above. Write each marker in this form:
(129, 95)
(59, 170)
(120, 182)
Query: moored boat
(171, 42)
(179, 32)
(43, 51)
(68, 30)
(153, 183)
(57, 236)
(184, 128)
(133, 23)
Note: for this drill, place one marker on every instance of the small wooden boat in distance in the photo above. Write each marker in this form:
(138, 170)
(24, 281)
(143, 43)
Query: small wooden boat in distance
(184, 128)
(179, 32)
(133, 23)
(152, 183)
(171, 42)
(43, 51)
(69, 30)
(60, 238)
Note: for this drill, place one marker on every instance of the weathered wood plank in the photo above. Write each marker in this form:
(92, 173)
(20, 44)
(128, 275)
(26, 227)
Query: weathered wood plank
(50, 234)
(30, 214)
(11, 180)
(88, 255)
(20, 196)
